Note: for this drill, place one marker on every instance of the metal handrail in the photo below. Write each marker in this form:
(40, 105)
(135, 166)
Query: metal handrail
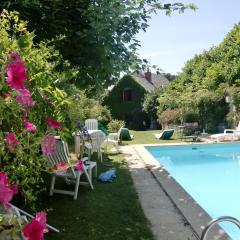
(217, 220)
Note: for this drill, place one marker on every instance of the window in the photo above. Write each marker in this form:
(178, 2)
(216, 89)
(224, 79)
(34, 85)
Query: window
(127, 95)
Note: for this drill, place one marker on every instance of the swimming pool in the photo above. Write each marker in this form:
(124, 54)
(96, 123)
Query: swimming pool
(210, 173)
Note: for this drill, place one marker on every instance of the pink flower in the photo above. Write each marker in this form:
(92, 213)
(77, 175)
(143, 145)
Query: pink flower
(36, 228)
(11, 141)
(6, 195)
(4, 179)
(6, 190)
(24, 99)
(16, 74)
(53, 123)
(30, 127)
(14, 188)
(79, 166)
(49, 145)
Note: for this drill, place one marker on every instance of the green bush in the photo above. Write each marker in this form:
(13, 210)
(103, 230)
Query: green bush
(115, 125)
(83, 107)
(24, 164)
(168, 117)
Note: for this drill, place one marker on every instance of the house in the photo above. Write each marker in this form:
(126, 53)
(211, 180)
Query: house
(126, 98)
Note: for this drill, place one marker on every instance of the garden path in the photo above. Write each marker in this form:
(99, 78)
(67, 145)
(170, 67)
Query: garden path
(165, 221)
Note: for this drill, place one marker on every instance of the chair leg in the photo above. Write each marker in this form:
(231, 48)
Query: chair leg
(99, 154)
(89, 171)
(88, 178)
(116, 146)
(77, 186)
(95, 171)
(89, 154)
(52, 185)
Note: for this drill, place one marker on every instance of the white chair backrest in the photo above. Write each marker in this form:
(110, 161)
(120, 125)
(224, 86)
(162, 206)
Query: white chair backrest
(91, 124)
(97, 139)
(61, 154)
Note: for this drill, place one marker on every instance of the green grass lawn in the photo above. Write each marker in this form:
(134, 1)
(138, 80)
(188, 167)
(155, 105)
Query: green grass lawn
(147, 137)
(110, 211)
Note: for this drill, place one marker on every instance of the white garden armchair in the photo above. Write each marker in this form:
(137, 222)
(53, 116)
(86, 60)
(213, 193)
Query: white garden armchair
(114, 139)
(71, 175)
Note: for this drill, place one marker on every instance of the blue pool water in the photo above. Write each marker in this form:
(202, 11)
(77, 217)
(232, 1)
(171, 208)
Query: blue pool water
(210, 173)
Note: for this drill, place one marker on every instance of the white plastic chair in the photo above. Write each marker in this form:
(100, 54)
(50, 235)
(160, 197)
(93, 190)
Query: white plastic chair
(97, 139)
(228, 135)
(113, 138)
(91, 124)
(71, 175)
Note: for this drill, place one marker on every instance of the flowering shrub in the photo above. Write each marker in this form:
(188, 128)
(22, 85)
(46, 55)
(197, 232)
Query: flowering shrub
(6, 190)
(19, 150)
(36, 228)
(32, 231)
(29, 105)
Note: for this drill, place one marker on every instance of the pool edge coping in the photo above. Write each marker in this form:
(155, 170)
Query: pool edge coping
(195, 215)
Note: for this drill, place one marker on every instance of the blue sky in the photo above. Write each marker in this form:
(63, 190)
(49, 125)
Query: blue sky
(170, 41)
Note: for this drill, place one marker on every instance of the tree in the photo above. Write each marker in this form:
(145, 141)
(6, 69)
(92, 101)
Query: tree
(150, 104)
(205, 81)
(99, 36)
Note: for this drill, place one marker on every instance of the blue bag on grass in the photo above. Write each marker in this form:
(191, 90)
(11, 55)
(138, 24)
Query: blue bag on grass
(108, 176)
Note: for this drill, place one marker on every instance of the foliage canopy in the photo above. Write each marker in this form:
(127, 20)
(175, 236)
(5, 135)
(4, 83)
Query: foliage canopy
(204, 83)
(98, 36)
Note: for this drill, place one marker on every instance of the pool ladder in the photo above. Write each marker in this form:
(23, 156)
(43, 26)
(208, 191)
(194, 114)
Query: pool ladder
(217, 220)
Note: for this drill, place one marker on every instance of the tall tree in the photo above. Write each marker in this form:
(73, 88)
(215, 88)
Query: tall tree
(99, 36)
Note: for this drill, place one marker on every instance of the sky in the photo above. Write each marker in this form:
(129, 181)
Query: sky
(170, 41)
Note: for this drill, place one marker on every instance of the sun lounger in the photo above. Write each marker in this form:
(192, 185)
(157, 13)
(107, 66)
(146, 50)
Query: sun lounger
(165, 135)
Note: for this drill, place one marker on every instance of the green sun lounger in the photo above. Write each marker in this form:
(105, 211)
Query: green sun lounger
(125, 134)
(165, 135)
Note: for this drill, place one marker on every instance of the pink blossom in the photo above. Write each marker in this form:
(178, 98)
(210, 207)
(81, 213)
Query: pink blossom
(36, 228)
(49, 145)
(16, 74)
(30, 127)
(14, 188)
(79, 166)
(6, 195)
(24, 99)
(53, 123)
(6, 190)
(11, 141)
(4, 179)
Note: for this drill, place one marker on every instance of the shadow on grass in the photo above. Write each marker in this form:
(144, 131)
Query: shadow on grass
(110, 211)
